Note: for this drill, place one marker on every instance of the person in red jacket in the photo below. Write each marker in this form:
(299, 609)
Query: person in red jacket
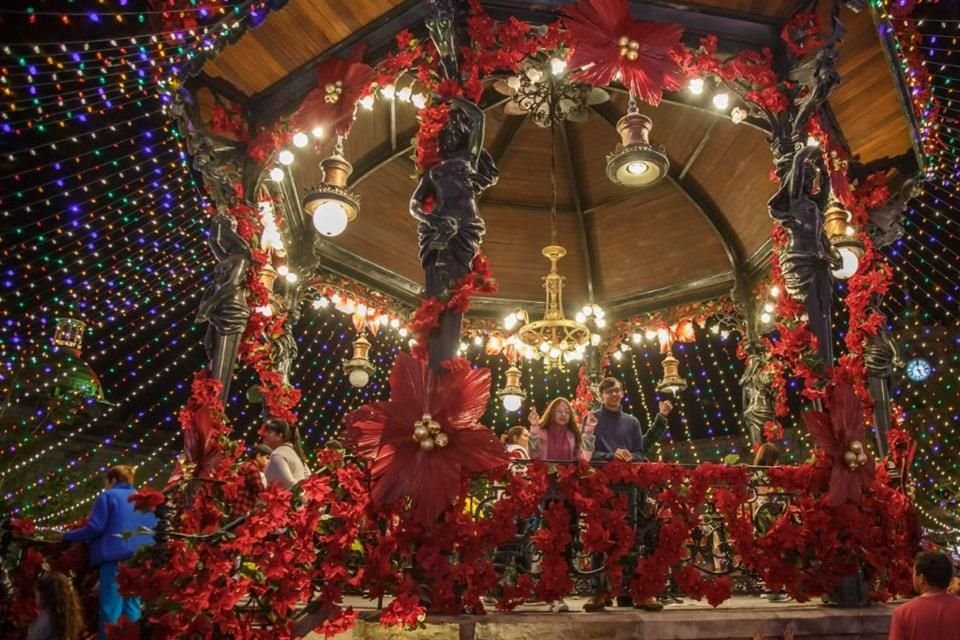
(934, 614)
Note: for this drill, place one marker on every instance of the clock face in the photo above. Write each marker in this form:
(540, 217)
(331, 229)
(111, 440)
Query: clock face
(918, 369)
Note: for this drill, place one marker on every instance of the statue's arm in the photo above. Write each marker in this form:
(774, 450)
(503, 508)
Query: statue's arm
(424, 189)
(475, 113)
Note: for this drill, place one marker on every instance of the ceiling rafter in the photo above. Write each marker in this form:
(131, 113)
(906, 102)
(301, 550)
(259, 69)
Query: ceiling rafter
(585, 244)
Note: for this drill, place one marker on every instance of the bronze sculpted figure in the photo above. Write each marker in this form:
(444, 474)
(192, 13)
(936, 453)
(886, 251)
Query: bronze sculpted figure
(224, 302)
(451, 232)
(757, 396)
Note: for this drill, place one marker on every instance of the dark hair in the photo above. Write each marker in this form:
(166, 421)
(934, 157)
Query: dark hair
(334, 445)
(260, 449)
(767, 455)
(935, 567)
(288, 433)
(59, 599)
(609, 382)
(511, 435)
(121, 473)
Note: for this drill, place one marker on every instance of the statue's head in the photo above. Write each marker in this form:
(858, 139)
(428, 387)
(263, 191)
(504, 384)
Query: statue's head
(454, 135)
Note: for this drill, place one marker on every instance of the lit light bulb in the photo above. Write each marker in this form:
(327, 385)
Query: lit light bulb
(650, 334)
(638, 167)
(812, 142)
(588, 310)
(696, 86)
(317, 132)
(850, 264)
(300, 139)
(403, 332)
(477, 340)
(721, 101)
(765, 317)
(512, 402)
(580, 317)
(367, 102)
(637, 338)
(330, 219)
(555, 353)
(595, 339)
(285, 157)
(277, 174)
(283, 270)
(394, 323)
(510, 321)
(419, 100)
(768, 307)
(557, 66)
(388, 91)
(774, 291)
(291, 277)
(359, 378)
(404, 94)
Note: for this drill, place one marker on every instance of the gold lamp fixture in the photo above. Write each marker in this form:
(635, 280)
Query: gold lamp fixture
(635, 162)
(359, 368)
(331, 204)
(672, 382)
(512, 394)
(555, 339)
(843, 237)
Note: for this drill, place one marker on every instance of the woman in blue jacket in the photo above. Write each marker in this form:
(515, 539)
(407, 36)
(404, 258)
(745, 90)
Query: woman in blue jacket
(113, 533)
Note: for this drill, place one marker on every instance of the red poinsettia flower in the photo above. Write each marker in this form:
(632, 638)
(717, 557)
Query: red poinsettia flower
(123, 629)
(609, 45)
(840, 433)
(424, 407)
(22, 527)
(203, 423)
(340, 83)
(146, 499)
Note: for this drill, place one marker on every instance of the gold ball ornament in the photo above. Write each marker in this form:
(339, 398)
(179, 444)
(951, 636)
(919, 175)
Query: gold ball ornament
(850, 459)
(623, 41)
(441, 440)
(634, 45)
(861, 459)
(632, 54)
(857, 447)
(624, 51)
(420, 433)
(427, 444)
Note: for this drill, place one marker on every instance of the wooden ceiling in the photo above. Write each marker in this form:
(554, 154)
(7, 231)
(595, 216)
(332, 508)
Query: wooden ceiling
(685, 234)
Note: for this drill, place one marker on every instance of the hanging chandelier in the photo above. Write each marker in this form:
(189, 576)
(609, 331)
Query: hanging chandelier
(332, 204)
(555, 339)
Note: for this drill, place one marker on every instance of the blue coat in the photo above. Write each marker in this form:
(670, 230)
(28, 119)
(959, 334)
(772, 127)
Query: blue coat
(111, 517)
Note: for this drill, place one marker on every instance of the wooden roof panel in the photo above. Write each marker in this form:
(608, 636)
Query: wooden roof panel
(653, 240)
(734, 171)
(866, 104)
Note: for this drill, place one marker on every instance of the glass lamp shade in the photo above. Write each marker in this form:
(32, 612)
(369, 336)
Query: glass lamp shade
(330, 218)
(359, 378)
(850, 263)
(512, 402)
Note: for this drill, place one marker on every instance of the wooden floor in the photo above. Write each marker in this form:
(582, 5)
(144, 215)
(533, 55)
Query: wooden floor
(736, 619)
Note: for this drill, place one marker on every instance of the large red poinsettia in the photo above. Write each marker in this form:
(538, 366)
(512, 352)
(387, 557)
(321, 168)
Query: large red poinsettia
(423, 440)
(609, 45)
(340, 83)
(840, 433)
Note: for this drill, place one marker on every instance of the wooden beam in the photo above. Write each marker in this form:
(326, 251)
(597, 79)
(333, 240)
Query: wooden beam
(696, 152)
(588, 260)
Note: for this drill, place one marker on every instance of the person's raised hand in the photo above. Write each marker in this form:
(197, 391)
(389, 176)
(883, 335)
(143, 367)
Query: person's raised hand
(590, 422)
(665, 407)
(533, 417)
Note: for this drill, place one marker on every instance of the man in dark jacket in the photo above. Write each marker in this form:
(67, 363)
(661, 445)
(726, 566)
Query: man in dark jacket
(113, 533)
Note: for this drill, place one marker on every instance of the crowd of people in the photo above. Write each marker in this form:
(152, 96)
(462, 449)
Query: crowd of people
(114, 530)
